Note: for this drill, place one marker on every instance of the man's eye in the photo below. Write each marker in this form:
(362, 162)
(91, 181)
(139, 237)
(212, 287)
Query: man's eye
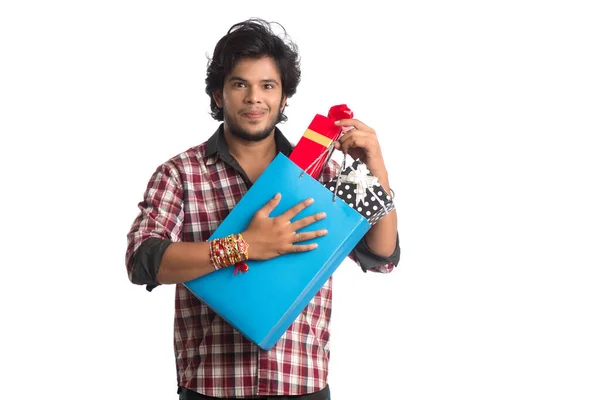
(269, 86)
(239, 84)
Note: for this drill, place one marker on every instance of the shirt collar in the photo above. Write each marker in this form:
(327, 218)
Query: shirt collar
(216, 146)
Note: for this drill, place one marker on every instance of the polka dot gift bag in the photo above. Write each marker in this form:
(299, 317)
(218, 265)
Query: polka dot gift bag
(357, 187)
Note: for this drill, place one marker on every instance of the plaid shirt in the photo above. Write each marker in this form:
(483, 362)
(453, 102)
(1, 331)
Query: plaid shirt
(186, 200)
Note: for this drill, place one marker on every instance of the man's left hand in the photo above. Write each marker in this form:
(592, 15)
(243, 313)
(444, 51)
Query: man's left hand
(361, 142)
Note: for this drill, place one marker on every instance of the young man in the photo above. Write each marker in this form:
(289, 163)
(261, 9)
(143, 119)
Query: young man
(252, 74)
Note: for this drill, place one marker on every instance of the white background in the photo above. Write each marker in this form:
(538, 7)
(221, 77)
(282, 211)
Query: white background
(488, 114)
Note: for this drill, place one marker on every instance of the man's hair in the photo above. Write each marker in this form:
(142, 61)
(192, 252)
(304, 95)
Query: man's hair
(252, 38)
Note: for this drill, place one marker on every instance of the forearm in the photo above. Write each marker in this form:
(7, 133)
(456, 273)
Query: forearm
(184, 261)
(381, 238)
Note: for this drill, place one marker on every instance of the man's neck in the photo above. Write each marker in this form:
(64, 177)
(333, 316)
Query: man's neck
(243, 150)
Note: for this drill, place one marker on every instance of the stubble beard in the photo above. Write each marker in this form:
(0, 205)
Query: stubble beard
(244, 134)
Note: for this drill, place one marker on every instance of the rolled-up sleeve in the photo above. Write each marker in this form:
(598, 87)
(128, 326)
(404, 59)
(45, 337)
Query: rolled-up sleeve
(160, 219)
(369, 261)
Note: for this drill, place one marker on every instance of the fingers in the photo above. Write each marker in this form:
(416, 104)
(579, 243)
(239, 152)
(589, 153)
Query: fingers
(268, 208)
(303, 248)
(311, 219)
(356, 134)
(354, 123)
(278, 235)
(304, 236)
(292, 212)
(354, 139)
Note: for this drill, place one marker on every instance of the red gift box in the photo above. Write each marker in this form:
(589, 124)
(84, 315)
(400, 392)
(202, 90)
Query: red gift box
(314, 148)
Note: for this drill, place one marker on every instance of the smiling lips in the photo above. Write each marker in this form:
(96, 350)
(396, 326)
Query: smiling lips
(254, 114)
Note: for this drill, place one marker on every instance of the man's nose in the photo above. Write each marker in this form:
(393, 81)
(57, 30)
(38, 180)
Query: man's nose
(253, 95)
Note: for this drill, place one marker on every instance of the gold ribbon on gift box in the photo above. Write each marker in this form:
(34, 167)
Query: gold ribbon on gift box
(317, 137)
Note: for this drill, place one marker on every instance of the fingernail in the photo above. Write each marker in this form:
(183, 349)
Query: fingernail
(322, 215)
(310, 201)
(337, 122)
(314, 246)
(277, 196)
(323, 232)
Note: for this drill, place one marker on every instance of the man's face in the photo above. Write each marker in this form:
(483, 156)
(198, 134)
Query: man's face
(251, 99)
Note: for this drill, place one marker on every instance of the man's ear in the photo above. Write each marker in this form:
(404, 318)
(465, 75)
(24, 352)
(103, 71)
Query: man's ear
(218, 97)
(283, 103)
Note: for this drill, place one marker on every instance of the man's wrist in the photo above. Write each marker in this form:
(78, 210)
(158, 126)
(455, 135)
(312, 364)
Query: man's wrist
(382, 178)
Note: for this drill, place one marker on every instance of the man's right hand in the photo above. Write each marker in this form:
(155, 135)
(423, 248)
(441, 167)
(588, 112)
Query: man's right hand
(271, 237)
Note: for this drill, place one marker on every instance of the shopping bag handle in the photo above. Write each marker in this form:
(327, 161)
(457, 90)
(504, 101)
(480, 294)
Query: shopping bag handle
(327, 154)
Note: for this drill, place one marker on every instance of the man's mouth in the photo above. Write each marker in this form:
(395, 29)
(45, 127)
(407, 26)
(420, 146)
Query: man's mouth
(254, 114)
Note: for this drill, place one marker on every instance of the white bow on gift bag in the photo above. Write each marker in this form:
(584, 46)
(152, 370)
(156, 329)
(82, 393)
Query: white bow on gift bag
(362, 179)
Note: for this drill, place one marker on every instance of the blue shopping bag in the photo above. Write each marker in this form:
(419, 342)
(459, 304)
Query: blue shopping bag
(263, 302)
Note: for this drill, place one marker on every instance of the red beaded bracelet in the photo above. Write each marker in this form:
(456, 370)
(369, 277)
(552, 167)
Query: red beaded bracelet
(230, 250)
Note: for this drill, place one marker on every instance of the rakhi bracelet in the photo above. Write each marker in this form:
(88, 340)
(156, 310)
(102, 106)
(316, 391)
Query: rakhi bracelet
(230, 250)
(242, 248)
(216, 254)
(220, 254)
